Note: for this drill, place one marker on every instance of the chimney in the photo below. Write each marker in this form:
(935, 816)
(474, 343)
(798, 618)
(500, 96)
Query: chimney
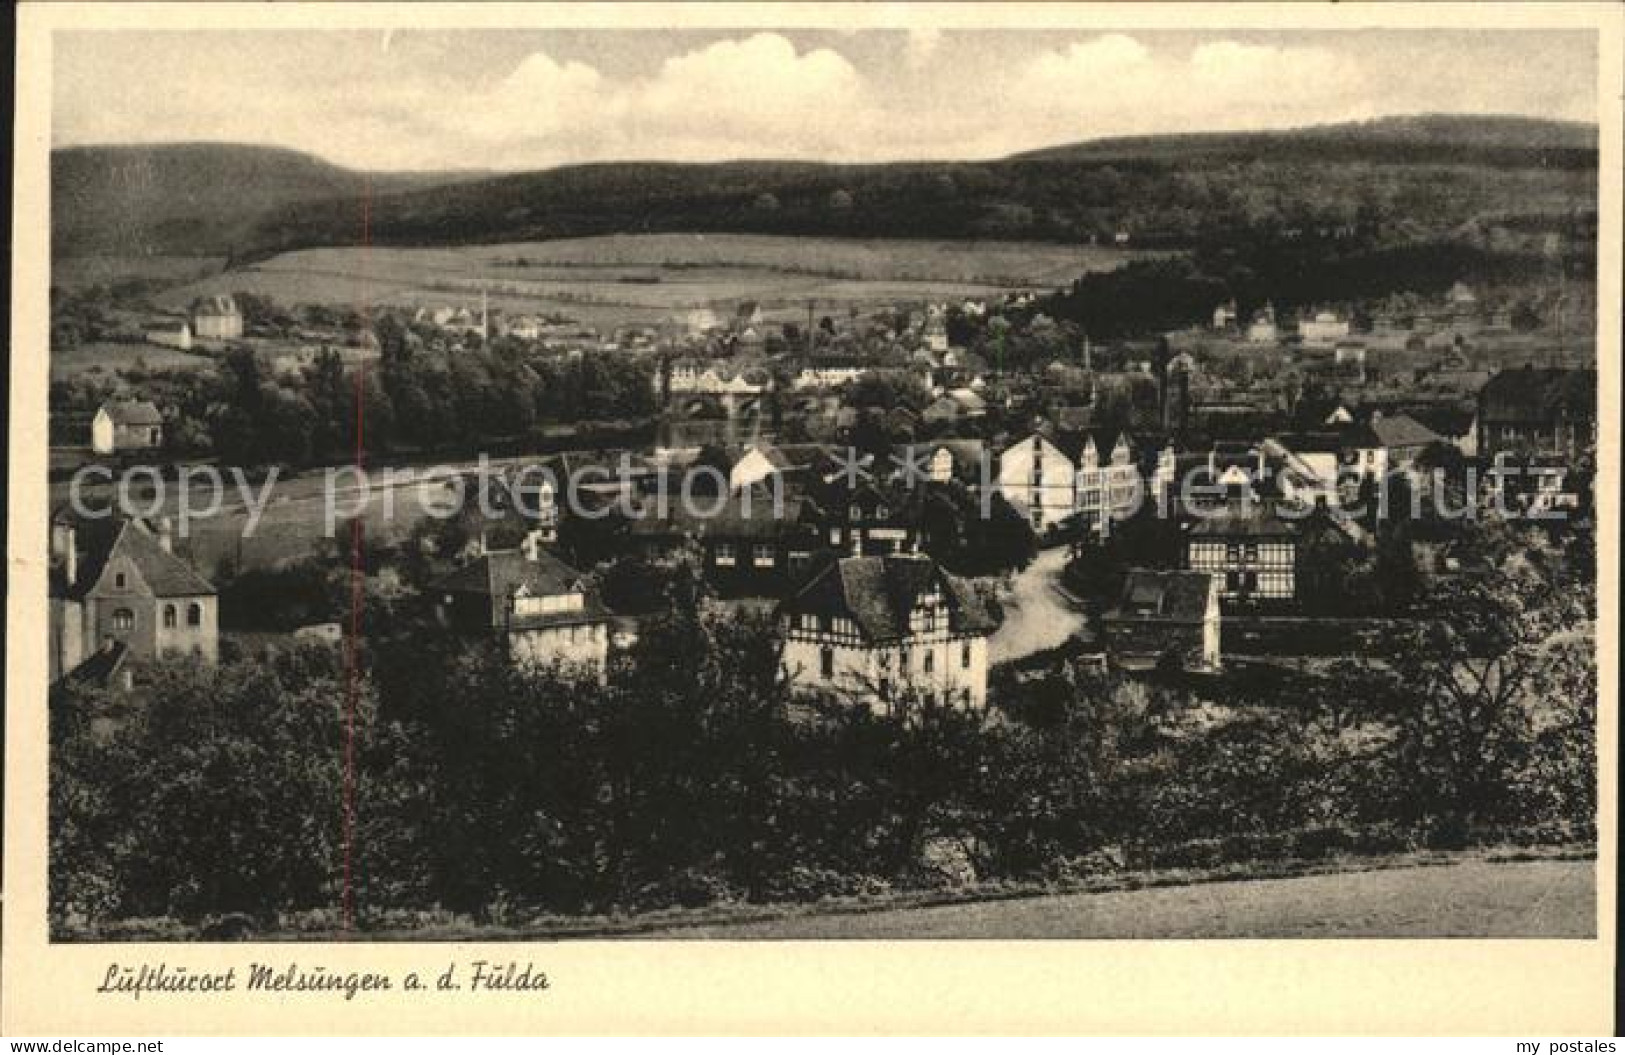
(166, 534)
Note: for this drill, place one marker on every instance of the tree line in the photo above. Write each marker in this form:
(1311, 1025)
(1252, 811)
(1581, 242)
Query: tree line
(695, 776)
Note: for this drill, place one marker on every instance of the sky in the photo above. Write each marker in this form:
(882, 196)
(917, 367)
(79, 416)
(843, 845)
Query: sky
(510, 100)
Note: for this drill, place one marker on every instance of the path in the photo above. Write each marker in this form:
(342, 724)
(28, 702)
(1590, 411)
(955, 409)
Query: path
(1475, 898)
(1035, 616)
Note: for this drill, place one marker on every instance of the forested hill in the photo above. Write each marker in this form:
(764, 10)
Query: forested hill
(1420, 139)
(190, 198)
(1436, 173)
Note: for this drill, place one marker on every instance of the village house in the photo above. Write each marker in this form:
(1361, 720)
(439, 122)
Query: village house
(872, 629)
(1166, 616)
(538, 606)
(217, 318)
(118, 589)
(1385, 444)
(1039, 480)
(1261, 329)
(866, 520)
(1250, 549)
(126, 425)
(1538, 411)
(1323, 329)
(1224, 316)
(169, 333)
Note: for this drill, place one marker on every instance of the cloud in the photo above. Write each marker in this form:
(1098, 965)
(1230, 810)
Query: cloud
(759, 94)
(1115, 85)
(440, 101)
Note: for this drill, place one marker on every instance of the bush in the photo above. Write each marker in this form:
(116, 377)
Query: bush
(804, 883)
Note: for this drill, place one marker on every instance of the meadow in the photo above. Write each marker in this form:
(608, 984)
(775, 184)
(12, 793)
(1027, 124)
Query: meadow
(646, 279)
(108, 357)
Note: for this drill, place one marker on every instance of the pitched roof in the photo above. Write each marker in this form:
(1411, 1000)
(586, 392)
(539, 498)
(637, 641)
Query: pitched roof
(1390, 431)
(879, 593)
(219, 304)
(165, 574)
(133, 412)
(100, 667)
(500, 573)
(1243, 519)
(1163, 596)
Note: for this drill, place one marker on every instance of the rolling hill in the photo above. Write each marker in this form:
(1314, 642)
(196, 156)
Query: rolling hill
(199, 199)
(1436, 172)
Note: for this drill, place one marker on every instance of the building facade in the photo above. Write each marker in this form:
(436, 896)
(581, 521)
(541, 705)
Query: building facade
(1039, 480)
(877, 631)
(1249, 549)
(1166, 615)
(537, 605)
(119, 583)
(126, 425)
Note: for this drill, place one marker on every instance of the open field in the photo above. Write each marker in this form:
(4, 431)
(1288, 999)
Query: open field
(111, 357)
(74, 272)
(648, 279)
(1472, 898)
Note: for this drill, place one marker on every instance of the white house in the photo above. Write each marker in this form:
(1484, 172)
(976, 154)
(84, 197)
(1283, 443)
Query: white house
(1262, 329)
(1039, 480)
(170, 333)
(1108, 485)
(125, 425)
(1325, 328)
(873, 630)
(217, 318)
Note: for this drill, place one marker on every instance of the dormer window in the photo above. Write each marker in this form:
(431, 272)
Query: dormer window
(854, 514)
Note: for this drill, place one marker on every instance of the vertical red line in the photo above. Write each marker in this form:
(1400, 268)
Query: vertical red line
(357, 577)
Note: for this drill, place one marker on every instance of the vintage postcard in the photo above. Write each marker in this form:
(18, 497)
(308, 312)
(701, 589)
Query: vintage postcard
(764, 518)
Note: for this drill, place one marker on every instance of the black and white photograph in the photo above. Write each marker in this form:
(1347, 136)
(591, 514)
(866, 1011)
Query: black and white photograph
(780, 483)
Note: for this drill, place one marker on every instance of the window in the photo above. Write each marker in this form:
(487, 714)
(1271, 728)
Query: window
(123, 619)
(964, 655)
(119, 581)
(194, 614)
(826, 663)
(170, 617)
(762, 555)
(854, 514)
(929, 664)
(724, 554)
(880, 512)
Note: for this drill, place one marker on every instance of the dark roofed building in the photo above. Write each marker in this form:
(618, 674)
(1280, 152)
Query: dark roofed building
(1540, 411)
(1164, 614)
(119, 581)
(126, 425)
(540, 607)
(1249, 548)
(870, 628)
